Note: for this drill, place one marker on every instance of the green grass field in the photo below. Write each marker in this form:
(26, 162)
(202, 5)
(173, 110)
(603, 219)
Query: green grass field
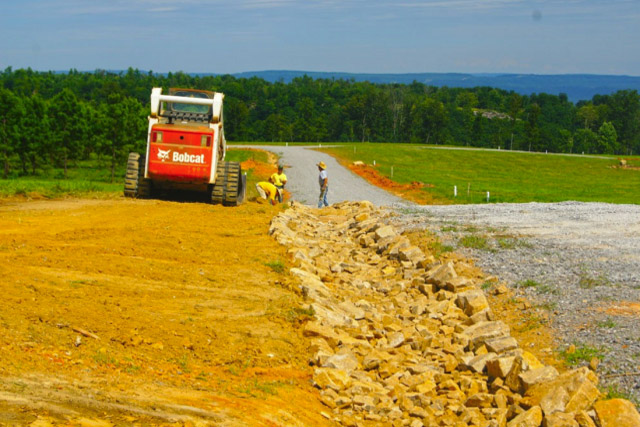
(90, 179)
(508, 176)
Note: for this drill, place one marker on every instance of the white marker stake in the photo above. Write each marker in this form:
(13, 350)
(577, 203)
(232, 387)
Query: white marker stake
(455, 191)
(374, 163)
(487, 196)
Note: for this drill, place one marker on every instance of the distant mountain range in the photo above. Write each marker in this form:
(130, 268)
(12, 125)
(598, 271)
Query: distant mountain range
(576, 86)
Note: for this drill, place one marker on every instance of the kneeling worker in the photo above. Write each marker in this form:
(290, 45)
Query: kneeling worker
(267, 191)
(279, 179)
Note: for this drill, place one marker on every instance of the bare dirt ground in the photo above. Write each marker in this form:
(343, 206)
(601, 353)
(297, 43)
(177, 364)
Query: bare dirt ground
(150, 312)
(120, 312)
(139, 312)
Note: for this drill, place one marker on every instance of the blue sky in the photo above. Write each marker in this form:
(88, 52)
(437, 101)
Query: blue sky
(360, 36)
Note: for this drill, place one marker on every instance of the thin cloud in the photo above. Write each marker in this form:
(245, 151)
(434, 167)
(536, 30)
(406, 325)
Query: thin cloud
(460, 4)
(266, 4)
(163, 9)
(78, 7)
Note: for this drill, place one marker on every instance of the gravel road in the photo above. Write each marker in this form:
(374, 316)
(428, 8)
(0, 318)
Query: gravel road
(579, 261)
(302, 174)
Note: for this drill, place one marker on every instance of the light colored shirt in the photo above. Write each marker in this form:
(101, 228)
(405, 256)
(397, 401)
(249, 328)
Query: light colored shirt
(322, 177)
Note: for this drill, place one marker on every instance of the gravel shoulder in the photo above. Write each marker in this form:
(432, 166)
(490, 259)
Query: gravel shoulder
(577, 260)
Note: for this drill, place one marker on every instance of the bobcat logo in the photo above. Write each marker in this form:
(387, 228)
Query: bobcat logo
(163, 154)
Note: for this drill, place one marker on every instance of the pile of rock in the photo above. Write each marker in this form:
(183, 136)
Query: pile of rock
(402, 339)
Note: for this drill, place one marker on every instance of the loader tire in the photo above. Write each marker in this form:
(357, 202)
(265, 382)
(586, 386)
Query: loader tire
(135, 184)
(230, 186)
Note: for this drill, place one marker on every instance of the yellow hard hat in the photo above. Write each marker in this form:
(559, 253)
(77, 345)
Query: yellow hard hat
(321, 165)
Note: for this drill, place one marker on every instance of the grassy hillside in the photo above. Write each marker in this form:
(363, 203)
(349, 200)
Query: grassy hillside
(508, 176)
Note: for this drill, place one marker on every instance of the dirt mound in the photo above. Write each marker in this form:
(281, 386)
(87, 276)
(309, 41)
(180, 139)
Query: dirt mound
(412, 191)
(122, 312)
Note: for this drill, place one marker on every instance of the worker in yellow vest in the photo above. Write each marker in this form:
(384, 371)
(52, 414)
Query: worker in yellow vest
(267, 191)
(279, 179)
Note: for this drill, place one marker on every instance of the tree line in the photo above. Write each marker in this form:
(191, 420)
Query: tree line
(49, 118)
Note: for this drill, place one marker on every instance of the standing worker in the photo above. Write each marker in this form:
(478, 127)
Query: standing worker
(267, 191)
(323, 180)
(279, 179)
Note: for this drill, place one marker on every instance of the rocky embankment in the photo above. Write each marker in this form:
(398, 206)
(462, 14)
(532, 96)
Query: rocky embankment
(399, 338)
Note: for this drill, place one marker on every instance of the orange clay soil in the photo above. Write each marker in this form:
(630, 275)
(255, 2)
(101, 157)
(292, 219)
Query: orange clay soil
(148, 311)
(411, 191)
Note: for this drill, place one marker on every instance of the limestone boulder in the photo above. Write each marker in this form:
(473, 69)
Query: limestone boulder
(481, 332)
(530, 418)
(479, 362)
(458, 284)
(555, 401)
(385, 231)
(472, 301)
(616, 413)
(560, 419)
(583, 396)
(501, 344)
(535, 376)
(500, 366)
(412, 254)
(531, 361)
(584, 420)
(335, 379)
(398, 245)
(343, 360)
(579, 384)
(479, 400)
(316, 329)
(439, 275)
(310, 284)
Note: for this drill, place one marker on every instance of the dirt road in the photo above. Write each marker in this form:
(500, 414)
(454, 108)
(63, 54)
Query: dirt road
(117, 312)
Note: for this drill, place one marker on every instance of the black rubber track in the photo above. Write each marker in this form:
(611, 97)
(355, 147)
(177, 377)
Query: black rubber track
(135, 185)
(229, 188)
